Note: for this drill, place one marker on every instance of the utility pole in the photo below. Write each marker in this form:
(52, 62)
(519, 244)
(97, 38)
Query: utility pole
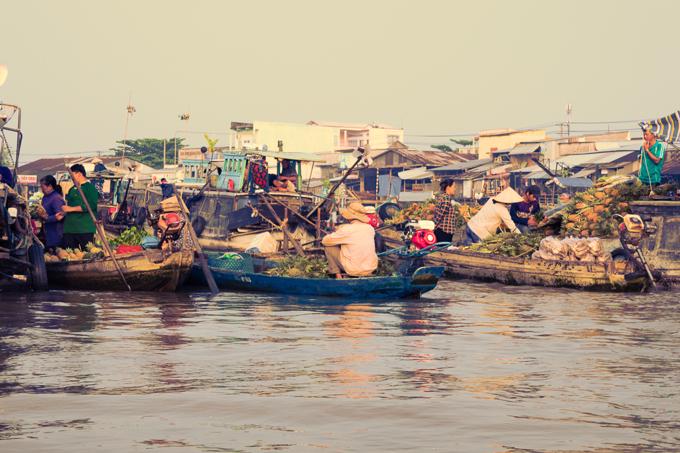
(130, 111)
(568, 120)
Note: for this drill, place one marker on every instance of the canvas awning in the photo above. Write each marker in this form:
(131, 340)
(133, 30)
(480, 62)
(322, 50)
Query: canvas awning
(415, 197)
(415, 173)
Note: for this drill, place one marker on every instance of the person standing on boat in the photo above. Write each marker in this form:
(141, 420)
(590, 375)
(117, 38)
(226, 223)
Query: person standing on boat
(493, 214)
(52, 202)
(167, 189)
(524, 212)
(651, 160)
(445, 212)
(351, 248)
(79, 228)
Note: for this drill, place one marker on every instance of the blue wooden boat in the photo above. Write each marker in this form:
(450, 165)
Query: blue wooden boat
(414, 285)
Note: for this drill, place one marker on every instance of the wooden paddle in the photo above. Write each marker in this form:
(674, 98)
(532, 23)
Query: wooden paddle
(99, 229)
(197, 247)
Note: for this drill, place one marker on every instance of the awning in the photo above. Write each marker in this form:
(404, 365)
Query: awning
(415, 173)
(580, 183)
(414, 197)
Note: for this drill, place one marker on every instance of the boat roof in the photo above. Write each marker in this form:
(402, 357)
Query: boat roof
(304, 157)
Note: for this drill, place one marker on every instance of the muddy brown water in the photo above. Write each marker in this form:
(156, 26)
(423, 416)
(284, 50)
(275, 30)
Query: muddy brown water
(469, 368)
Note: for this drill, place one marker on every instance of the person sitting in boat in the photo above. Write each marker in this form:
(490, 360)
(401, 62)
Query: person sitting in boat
(351, 248)
(445, 212)
(167, 189)
(287, 179)
(79, 227)
(52, 201)
(493, 214)
(524, 212)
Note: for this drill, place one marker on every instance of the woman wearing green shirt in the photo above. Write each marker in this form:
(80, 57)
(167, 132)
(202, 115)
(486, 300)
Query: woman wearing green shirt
(651, 162)
(79, 228)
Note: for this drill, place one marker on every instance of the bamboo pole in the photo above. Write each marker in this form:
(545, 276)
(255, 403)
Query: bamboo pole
(197, 247)
(99, 229)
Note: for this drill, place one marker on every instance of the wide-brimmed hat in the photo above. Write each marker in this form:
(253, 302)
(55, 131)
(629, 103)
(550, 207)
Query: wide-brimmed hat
(355, 211)
(508, 196)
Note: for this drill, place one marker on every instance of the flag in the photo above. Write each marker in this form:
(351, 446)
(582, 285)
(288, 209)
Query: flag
(666, 128)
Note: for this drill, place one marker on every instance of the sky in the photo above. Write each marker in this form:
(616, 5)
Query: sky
(431, 67)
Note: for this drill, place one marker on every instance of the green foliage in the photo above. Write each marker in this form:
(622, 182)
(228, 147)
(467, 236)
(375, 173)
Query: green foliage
(131, 236)
(461, 141)
(211, 143)
(508, 244)
(442, 147)
(149, 151)
(301, 266)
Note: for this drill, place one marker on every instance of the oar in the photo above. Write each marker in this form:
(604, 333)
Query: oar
(197, 247)
(99, 229)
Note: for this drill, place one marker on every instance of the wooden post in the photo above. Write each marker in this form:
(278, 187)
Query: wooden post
(99, 230)
(197, 247)
(282, 227)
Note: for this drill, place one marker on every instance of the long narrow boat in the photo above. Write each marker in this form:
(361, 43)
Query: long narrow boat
(465, 264)
(149, 270)
(424, 279)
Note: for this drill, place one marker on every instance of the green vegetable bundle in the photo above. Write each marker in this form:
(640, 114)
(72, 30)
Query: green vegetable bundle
(301, 266)
(131, 236)
(508, 244)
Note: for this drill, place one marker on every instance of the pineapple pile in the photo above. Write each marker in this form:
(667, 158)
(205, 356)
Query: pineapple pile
(590, 213)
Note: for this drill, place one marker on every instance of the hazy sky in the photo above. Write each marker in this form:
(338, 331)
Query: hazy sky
(432, 67)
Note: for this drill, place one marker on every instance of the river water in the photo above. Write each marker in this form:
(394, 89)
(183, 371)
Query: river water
(469, 368)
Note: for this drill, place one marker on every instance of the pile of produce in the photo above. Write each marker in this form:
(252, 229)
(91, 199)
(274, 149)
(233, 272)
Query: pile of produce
(90, 252)
(301, 266)
(35, 205)
(463, 213)
(417, 211)
(572, 249)
(590, 213)
(131, 236)
(508, 244)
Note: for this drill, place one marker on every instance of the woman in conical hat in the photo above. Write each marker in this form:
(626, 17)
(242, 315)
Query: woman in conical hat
(493, 214)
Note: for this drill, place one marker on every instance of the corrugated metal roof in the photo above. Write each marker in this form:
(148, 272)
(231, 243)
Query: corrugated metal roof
(458, 166)
(525, 148)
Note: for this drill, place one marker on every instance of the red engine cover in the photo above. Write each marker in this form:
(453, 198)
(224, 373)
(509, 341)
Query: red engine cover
(374, 220)
(423, 238)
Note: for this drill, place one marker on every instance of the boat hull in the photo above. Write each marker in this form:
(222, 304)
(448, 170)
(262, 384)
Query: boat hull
(144, 271)
(422, 281)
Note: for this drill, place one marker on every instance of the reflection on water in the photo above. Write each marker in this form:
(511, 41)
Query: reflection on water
(471, 367)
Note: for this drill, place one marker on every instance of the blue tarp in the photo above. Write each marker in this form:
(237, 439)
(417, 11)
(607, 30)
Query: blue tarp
(384, 189)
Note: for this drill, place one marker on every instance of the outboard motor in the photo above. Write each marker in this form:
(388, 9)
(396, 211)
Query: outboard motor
(420, 234)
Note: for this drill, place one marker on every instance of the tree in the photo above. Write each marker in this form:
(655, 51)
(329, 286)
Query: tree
(149, 151)
(442, 147)
(461, 141)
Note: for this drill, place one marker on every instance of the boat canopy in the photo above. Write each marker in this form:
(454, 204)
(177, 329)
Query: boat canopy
(303, 157)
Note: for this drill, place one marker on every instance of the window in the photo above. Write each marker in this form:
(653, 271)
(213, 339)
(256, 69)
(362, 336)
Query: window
(389, 159)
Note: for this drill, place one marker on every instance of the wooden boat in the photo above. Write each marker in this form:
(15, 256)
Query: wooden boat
(461, 263)
(421, 281)
(149, 270)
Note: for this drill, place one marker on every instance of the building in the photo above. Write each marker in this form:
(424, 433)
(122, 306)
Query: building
(313, 136)
(493, 140)
(382, 176)
(56, 166)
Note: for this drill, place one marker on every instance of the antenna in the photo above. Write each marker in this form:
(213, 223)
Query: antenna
(130, 109)
(568, 119)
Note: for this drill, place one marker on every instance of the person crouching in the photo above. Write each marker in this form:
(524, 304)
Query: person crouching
(351, 248)
(493, 214)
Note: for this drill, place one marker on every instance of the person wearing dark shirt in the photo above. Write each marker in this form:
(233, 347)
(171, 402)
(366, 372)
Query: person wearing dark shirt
(445, 212)
(167, 189)
(523, 213)
(79, 227)
(52, 202)
(6, 176)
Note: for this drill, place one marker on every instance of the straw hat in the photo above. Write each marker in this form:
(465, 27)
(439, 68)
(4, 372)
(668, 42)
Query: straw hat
(508, 196)
(355, 211)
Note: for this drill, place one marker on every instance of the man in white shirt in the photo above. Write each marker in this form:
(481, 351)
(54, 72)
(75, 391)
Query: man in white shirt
(493, 214)
(351, 248)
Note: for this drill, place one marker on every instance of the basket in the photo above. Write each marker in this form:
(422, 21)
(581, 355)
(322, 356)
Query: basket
(235, 262)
